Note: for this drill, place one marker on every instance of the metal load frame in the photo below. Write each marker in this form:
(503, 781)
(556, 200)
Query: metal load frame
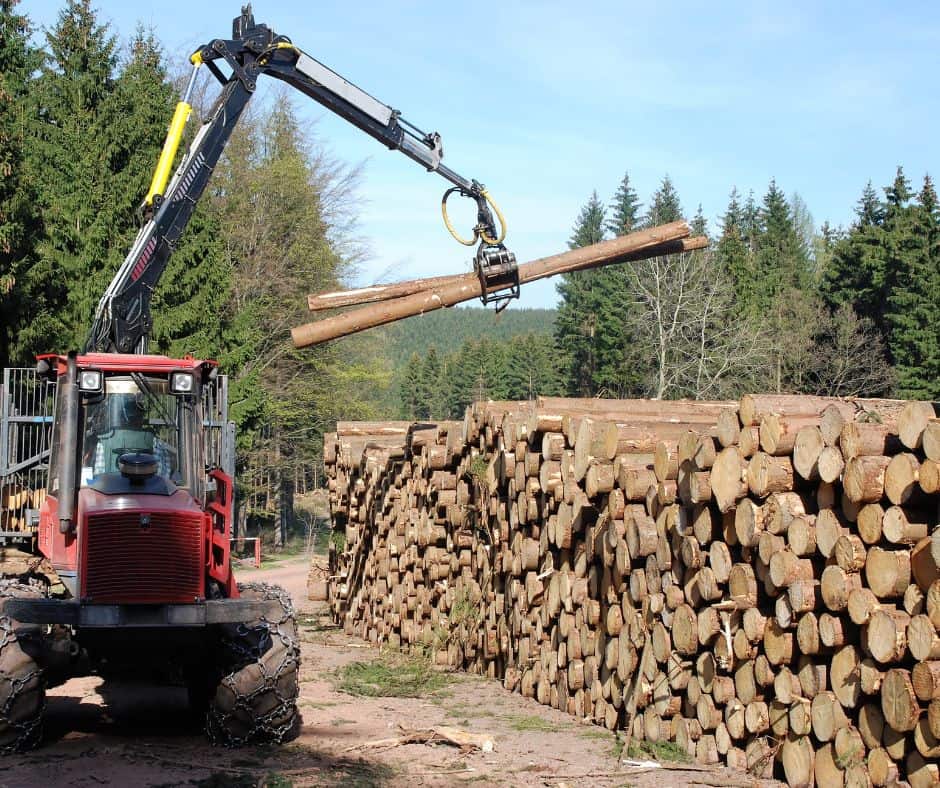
(27, 411)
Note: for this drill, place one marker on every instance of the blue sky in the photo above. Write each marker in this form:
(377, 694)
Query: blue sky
(545, 102)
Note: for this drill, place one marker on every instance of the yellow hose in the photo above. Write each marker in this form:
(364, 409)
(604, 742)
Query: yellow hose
(477, 234)
(447, 222)
(265, 56)
(499, 216)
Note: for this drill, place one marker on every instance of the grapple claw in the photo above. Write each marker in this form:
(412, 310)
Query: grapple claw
(498, 273)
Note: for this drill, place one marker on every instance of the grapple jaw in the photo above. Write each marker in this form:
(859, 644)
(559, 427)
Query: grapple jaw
(498, 273)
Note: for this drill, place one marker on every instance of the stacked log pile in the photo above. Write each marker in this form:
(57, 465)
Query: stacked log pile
(757, 581)
(15, 501)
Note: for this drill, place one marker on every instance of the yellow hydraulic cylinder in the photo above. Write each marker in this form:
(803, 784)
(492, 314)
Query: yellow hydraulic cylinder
(162, 174)
(165, 164)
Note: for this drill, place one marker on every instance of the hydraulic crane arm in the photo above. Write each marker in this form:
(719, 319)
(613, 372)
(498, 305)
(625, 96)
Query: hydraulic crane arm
(123, 320)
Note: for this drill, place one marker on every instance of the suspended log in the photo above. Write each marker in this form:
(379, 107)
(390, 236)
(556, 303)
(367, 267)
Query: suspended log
(667, 239)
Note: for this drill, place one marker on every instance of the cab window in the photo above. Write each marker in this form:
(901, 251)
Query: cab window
(129, 418)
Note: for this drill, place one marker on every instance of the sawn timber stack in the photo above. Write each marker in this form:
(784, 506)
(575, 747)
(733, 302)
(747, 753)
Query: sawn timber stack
(756, 580)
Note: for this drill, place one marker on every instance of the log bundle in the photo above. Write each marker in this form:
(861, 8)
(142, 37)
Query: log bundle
(757, 581)
(16, 499)
(419, 296)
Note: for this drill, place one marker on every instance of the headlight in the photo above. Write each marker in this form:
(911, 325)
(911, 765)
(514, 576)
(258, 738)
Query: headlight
(182, 383)
(90, 380)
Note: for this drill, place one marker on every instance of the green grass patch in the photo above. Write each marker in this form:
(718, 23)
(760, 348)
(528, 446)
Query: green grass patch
(663, 751)
(596, 733)
(477, 468)
(390, 678)
(530, 722)
(466, 710)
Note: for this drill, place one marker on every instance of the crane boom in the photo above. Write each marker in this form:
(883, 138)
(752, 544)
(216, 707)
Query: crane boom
(123, 320)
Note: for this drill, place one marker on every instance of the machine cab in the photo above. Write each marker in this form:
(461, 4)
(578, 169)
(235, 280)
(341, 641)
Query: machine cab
(139, 444)
(140, 429)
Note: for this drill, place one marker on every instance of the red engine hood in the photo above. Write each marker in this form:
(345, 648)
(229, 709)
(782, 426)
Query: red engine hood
(93, 502)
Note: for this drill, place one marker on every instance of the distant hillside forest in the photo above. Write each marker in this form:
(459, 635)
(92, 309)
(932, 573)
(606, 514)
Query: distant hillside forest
(468, 349)
(448, 329)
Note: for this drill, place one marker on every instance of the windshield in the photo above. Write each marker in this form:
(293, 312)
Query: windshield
(134, 414)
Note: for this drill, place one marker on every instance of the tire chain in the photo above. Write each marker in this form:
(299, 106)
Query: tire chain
(29, 732)
(249, 645)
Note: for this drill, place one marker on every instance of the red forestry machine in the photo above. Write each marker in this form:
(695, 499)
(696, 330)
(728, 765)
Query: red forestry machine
(136, 455)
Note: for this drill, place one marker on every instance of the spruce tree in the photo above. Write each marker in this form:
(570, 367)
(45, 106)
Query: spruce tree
(531, 367)
(750, 222)
(483, 371)
(699, 223)
(805, 229)
(733, 216)
(431, 386)
(823, 245)
(18, 228)
(886, 268)
(782, 261)
(67, 162)
(410, 386)
(855, 274)
(928, 197)
(664, 205)
(589, 227)
(781, 294)
(869, 209)
(576, 326)
(897, 194)
(624, 209)
(735, 257)
(913, 280)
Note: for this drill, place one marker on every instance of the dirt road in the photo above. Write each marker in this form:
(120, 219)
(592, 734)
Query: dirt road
(124, 735)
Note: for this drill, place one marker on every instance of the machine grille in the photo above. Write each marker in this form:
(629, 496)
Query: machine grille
(131, 561)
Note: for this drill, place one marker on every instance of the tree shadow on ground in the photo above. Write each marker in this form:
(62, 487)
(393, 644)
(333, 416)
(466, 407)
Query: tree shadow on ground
(136, 723)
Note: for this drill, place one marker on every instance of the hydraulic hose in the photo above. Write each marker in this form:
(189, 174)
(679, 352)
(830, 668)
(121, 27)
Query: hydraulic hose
(478, 233)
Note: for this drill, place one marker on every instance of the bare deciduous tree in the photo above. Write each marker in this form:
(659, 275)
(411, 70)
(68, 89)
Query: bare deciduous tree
(685, 316)
(849, 356)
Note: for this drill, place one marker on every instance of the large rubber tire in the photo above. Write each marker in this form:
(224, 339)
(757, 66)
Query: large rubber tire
(256, 700)
(22, 686)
